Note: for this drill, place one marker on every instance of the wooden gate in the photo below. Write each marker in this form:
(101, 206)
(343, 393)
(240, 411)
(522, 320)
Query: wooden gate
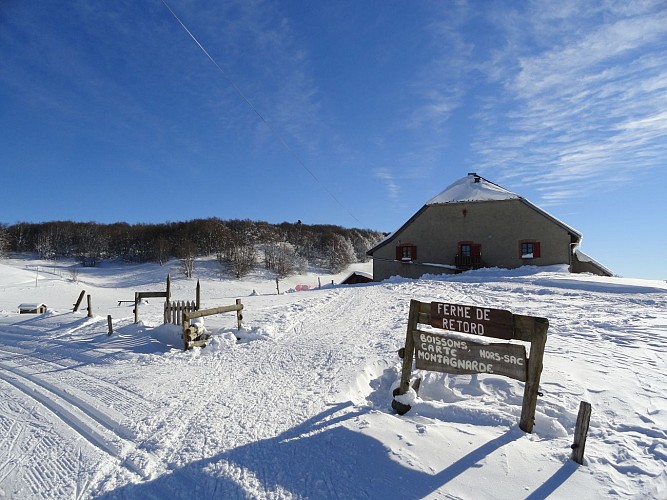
(173, 311)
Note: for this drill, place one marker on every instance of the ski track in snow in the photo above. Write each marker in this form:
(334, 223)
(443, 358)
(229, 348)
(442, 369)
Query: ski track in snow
(299, 408)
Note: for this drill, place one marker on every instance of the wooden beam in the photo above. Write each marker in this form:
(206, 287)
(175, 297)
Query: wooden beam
(581, 432)
(148, 295)
(78, 302)
(537, 332)
(409, 352)
(239, 314)
(208, 312)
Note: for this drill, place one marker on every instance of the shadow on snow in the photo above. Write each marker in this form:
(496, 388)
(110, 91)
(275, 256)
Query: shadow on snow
(316, 459)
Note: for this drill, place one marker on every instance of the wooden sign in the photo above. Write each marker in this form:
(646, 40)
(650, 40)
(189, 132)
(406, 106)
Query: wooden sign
(450, 354)
(440, 353)
(473, 320)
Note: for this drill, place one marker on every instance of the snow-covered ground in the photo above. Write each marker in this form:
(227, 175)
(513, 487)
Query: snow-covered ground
(300, 406)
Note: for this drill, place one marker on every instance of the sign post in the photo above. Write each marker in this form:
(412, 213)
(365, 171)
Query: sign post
(447, 353)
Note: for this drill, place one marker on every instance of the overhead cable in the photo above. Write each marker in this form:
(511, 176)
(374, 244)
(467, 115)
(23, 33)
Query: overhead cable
(256, 111)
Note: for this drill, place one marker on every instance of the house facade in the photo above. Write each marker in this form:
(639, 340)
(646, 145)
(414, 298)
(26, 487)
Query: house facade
(475, 223)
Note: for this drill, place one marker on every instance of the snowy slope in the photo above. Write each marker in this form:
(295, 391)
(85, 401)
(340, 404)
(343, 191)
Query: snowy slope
(300, 407)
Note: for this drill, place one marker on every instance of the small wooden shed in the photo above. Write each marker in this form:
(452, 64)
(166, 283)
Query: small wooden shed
(32, 308)
(356, 278)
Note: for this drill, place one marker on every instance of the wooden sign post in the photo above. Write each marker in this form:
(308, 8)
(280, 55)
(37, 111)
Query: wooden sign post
(437, 351)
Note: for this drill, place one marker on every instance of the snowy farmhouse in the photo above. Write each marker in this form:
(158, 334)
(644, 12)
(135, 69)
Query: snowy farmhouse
(475, 223)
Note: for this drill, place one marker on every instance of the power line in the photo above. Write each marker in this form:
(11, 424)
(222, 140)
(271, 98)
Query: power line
(256, 111)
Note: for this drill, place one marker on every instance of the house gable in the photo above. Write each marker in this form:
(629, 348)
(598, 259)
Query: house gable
(494, 228)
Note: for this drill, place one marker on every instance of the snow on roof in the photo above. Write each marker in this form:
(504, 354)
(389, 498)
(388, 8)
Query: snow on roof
(472, 188)
(31, 305)
(587, 258)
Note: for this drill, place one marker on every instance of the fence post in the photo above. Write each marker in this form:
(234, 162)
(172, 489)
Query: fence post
(539, 327)
(168, 288)
(136, 307)
(110, 324)
(90, 307)
(239, 315)
(78, 302)
(581, 432)
(198, 296)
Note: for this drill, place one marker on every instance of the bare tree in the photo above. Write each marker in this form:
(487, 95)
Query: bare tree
(74, 273)
(283, 259)
(4, 241)
(44, 245)
(244, 260)
(188, 253)
(161, 250)
(340, 253)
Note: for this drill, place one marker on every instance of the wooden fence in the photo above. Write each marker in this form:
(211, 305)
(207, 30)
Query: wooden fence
(192, 336)
(173, 311)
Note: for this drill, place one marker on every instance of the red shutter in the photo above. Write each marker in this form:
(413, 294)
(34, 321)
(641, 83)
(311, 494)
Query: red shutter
(536, 249)
(475, 250)
(399, 252)
(413, 252)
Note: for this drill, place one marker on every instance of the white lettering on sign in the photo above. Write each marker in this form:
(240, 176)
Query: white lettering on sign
(496, 356)
(437, 352)
(462, 326)
(455, 310)
(453, 362)
(443, 350)
(472, 320)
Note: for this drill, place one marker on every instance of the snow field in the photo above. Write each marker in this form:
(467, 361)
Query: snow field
(300, 405)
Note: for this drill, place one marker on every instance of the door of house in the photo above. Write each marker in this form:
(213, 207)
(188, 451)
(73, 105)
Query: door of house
(470, 254)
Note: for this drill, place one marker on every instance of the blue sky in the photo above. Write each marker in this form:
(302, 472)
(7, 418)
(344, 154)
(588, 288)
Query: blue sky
(348, 113)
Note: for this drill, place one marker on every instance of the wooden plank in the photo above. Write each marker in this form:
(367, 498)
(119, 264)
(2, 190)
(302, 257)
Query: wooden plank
(473, 320)
(148, 295)
(538, 339)
(527, 327)
(187, 316)
(581, 432)
(408, 355)
(78, 301)
(442, 353)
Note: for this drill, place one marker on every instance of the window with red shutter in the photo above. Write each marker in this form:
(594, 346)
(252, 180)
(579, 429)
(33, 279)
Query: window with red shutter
(529, 249)
(406, 252)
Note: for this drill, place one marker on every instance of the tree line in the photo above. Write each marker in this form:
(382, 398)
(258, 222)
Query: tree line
(239, 245)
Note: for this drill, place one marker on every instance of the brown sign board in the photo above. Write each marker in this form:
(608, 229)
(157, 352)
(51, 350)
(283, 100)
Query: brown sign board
(445, 354)
(473, 320)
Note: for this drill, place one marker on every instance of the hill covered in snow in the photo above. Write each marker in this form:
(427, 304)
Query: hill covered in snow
(296, 404)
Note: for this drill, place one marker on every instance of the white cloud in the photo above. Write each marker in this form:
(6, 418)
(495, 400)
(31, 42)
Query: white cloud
(584, 107)
(392, 187)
